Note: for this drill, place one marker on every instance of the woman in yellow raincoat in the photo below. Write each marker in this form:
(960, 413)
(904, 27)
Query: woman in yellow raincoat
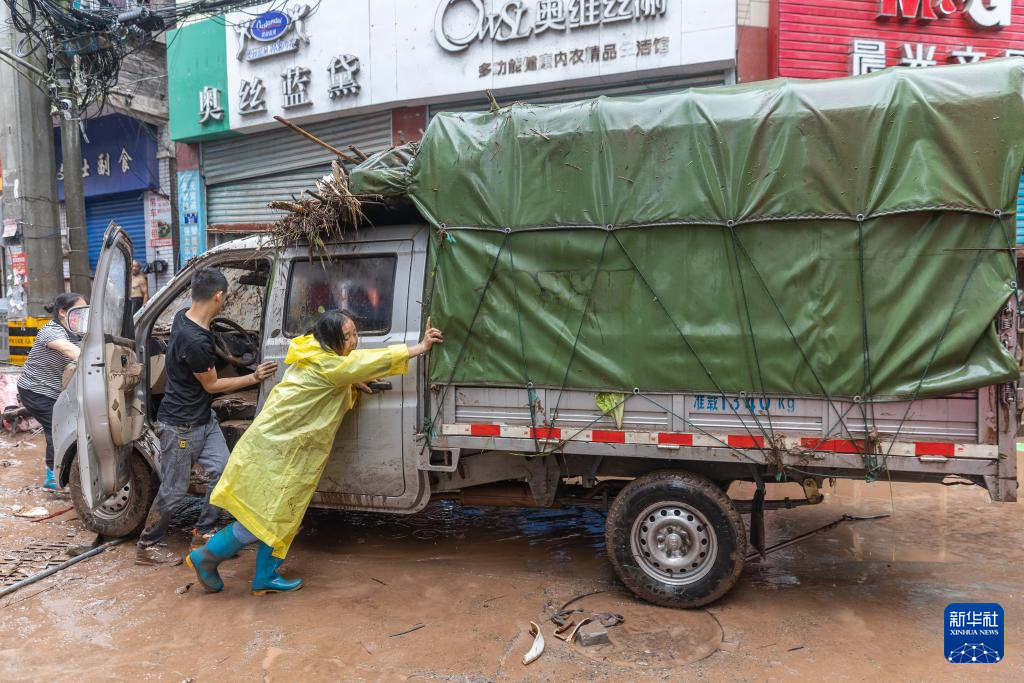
(276, 465)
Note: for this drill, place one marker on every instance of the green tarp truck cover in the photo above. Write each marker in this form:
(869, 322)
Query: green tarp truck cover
(840, 238)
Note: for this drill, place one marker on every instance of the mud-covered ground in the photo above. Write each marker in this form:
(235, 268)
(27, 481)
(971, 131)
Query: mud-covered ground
(861, 602)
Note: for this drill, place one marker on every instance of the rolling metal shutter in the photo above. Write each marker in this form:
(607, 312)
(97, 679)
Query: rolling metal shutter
(634, 87)
(245, 201)
(127, 209)
(243, 173)
(1020, 212)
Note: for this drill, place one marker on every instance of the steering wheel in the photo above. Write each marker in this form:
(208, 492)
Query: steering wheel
(234, 343)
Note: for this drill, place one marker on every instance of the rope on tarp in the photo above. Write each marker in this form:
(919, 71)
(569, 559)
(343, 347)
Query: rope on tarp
(700, 361)
(942, 335)
(469, 335)
(867, 455)
(750, 328)
(579, 329)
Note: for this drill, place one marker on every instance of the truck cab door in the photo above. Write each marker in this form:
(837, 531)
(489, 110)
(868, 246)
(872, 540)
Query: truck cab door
(111, 414)
(373, 464)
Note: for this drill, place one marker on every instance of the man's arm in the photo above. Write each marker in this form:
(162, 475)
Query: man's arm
(213, 384)
(145, 289)
(69, 350)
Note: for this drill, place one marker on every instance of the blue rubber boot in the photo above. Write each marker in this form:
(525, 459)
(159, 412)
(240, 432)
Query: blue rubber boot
(51, 483)
(204, 561)
(267, 580)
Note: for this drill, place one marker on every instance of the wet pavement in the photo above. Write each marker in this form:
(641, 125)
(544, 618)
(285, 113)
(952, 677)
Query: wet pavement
(448, 594)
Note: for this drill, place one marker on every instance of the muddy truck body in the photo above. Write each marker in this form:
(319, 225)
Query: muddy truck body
(740, 284)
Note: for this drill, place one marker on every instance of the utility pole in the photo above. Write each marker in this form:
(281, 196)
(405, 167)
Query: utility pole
(74, 188)
(30, 182)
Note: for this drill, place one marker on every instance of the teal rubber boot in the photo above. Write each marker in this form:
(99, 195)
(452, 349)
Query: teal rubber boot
(204, 561)
(51, 483)
(267, 580)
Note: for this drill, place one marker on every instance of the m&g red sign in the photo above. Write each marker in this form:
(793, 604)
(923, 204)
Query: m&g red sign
(983, 13)
(819, 39)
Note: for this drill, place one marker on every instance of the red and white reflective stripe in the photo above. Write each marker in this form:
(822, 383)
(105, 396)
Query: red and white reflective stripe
(677, 439)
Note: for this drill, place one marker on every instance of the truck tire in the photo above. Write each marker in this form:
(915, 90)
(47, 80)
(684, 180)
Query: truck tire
(124, 513)
(675, 539)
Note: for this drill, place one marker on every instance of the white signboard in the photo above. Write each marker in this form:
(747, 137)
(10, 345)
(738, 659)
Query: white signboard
(305, 58)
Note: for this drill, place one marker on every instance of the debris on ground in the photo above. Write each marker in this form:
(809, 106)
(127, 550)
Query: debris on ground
(592, 634)
(537, 648)
(562, 632)
(417, 627)
(54, 514)
(572, 634)
(32, 512)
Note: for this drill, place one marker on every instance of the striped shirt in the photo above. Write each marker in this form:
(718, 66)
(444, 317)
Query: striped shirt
(44, 369)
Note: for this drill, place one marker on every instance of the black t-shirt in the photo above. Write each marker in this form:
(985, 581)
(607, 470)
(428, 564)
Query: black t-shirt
(190, 350)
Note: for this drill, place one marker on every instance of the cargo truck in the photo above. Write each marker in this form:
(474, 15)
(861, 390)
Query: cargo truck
(644, 300)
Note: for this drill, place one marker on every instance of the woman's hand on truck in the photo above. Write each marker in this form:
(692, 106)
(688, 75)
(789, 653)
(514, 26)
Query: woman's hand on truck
(430, 337)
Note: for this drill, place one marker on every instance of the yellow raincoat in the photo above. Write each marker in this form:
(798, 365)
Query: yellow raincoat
(276, 465)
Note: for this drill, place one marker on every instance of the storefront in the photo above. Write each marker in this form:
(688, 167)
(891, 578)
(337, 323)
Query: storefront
(379, 81)
(818, 39)
(120, 177)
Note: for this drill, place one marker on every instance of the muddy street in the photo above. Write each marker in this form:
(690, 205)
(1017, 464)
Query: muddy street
(448, 595)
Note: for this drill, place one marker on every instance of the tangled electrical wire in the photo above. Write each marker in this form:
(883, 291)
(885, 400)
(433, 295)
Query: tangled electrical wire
(84, 47)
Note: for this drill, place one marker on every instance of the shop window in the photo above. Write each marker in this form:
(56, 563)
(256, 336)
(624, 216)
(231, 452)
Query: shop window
(364, 286)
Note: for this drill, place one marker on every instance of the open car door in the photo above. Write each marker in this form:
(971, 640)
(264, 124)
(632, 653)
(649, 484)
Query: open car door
(111, 414)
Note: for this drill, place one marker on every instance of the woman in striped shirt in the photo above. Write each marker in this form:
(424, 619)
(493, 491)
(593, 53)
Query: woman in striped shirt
(54, 348)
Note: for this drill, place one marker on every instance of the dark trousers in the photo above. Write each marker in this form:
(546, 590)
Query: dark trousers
(41, 408)
(136, 304)
(180, 448)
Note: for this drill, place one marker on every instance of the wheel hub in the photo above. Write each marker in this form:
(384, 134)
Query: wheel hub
(112, 507)
(674, 543)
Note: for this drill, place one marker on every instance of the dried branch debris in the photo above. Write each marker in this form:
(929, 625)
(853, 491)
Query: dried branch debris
(316, 217)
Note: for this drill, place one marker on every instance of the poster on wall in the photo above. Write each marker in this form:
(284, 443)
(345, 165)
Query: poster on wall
(158, 220)
(191, 216)
(19, 266)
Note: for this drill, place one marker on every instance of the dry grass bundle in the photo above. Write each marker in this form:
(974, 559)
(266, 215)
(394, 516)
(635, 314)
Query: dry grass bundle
(316, 217)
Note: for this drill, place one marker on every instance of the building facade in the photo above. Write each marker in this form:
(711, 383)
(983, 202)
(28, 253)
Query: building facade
(372, 74)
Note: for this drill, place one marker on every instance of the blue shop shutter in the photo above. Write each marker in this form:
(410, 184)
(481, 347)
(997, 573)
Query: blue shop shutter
(1020, 212)
(128, 210)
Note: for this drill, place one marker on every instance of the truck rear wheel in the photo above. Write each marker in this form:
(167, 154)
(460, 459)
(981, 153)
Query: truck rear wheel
(675, 539)
(124, 513)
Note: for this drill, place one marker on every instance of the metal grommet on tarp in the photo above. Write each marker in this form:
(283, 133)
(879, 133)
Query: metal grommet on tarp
(636, 391)
(507, 231)
(997, 213)
(860, 218)
(729, 223)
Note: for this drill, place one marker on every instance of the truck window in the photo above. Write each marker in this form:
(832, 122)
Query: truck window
(246, 284)
(364, 286)
(114, 302)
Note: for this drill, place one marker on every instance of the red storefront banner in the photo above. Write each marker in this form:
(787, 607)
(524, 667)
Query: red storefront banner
(829, 38)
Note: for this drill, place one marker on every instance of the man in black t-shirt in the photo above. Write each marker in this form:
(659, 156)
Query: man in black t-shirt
(185, 423)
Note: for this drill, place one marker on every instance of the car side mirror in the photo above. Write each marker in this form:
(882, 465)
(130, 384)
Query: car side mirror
(78, 320)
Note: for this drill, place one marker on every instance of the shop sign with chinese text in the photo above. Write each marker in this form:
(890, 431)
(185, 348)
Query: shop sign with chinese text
(119, 156)
(824, 40)
(450, 49)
